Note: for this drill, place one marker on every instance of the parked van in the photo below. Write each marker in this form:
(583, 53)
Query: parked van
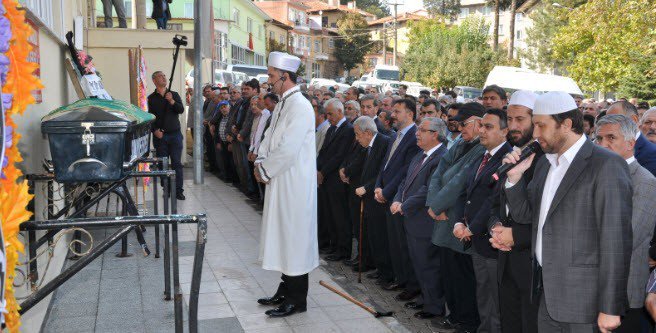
(468, 92)
(513, 78)
(250, 70)
(222, 78)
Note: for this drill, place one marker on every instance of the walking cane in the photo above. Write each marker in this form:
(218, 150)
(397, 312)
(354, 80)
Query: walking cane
(360, 243)
(376, 314)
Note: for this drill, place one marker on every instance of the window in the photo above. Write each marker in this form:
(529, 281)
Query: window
(464, 12)
(487, 10)
(292, 15)
(331, 43)
(317, 45)
(519, 17)
(188, 10)
(333, 25)
(272, 36)
(249, 25)
(324, 21)
(235, 16)
(238, 54)
(501, 31)
(259, 32)
(316, 70)
(127, 4)
(518, 35)
(259, 60)
(282, 40)
(42, 10)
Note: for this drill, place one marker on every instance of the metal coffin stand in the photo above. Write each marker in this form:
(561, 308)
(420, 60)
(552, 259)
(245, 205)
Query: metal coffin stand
(128, 222)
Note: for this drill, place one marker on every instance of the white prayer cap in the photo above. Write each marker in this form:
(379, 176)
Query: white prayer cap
(284, 61)
(524, 98)
(460, 99)
(554, 102)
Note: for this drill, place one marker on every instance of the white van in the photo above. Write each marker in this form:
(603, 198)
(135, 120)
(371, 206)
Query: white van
(250, 70)
(513, 78)
(222, 78)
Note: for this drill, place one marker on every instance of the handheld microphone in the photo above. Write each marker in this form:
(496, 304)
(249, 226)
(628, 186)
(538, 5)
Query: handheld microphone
(526, 153)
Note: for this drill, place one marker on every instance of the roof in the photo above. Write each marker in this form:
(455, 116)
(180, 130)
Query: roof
(250, 3)
(409, 16)
(316, 5)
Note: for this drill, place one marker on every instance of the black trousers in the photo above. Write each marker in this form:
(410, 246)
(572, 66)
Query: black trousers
(518, 313)
(294, 288)
(170, 145)
(398, 250)
(355, 203)
(228, 165)
(337, 215)
(323, 229)
(459, 284)
(636, 320)
(210, 150)
(378, 241)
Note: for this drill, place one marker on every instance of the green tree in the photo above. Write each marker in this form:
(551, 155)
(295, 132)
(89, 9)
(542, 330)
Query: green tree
(604, 40)
(273, 45)
(448, 9)
(446, 56)
(641, 81)
(513, 6)
(375, 7)
(353, 42)
(547, 20)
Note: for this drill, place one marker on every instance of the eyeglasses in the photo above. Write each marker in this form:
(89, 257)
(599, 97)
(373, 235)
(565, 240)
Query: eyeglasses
(427, 112)
(426, 130)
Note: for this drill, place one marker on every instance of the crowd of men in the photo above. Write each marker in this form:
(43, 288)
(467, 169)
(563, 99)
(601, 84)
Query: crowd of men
(559, 243)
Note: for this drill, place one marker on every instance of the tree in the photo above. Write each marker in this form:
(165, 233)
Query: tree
(448, 9)
(547, 20)
(641, 81)
(514, 5)
(375, 7)
(273, 45)
(446, 56)
(353, 42)
(605, 39)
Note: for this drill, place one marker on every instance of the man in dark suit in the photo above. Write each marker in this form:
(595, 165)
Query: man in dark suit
(335, 147)
(410, 201)
(472, 228)
(375, 145)
(645, 150)
(385, 121)
(617, 133)
(579, 201)
(518, 313)
(397, 159)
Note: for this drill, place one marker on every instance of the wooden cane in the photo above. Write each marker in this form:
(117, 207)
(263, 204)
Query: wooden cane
(356, 302)
(360, 242)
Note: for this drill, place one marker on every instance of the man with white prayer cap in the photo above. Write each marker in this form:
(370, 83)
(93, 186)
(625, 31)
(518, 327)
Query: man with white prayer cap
(579, 203)
(286, 163)
(518, 312)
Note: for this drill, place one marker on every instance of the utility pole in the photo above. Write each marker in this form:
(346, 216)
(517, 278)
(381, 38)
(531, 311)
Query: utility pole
(384, 45)
(396, 35)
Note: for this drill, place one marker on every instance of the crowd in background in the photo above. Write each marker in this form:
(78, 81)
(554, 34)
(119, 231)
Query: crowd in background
(411, 181)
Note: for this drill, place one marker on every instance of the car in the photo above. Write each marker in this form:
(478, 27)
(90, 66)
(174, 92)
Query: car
(240, 77)
(263, 78)
(468, 92)
(321, 82)
(222, 78)
(250, 70)
(392, 86)
(362, 81)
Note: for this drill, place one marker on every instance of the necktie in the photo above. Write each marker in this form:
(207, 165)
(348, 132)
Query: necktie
(330, 132)
(480, 168)
(394, 146)
(414, 173)
(368, 151)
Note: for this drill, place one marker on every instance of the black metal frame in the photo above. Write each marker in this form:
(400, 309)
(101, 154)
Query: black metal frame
(128, 222)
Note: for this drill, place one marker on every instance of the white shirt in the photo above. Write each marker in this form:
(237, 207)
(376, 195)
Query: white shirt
(325, 123)
(371, 144)
(430, 152)
(630, 160)
(557, 171)
(495, 149)
(339, 124)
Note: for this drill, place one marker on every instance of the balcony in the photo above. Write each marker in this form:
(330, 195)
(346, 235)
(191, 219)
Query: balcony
(302, 52)
(321, 56)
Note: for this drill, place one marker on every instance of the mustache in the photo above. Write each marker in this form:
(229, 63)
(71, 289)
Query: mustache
(651, 132)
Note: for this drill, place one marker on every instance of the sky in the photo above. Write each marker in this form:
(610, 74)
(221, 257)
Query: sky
(408, 5)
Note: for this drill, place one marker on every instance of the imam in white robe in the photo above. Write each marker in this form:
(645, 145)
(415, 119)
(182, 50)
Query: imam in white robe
(287, 161)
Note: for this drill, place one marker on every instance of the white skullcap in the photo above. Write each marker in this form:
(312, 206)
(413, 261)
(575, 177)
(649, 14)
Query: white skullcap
(460, 99)
(284, 61)
(554, 102)
(524, 98)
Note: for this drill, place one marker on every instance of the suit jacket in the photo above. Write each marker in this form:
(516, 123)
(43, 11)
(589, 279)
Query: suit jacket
(390, 177)
(334, 151)
(319, 136)
(481, 191)
(447, 191)
(373, 163)
(586, 238)
(521, 251)
(642, 224)
(158, 9)
(381, 128)
(412, 193)
(353, 163)
(645, 152)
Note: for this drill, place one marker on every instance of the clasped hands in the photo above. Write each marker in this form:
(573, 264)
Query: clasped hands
(462, 232)
(502, 238)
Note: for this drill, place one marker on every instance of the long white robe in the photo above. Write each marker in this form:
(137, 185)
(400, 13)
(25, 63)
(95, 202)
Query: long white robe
(287, 160)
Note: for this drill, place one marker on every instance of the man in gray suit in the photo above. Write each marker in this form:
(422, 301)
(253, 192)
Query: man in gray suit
(410, 201)
(580, 203)
(617, 133)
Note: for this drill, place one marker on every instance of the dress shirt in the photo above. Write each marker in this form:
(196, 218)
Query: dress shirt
(256, 135)
(559, 166)
(339, 124)
(371, 143)
(450, 141)
(322, 125)
(399, 137)
(430, 152)
(630, 160)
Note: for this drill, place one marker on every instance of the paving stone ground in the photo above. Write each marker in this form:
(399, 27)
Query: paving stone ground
(126, 294)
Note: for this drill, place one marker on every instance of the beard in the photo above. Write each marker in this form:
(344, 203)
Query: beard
(524, 137)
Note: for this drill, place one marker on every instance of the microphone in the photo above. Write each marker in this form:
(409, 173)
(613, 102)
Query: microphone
(526, 152)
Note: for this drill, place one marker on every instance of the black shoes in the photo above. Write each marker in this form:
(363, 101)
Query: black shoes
(407, 295)
(392, 286)
(413, 306)
(285, 310)
(365, 268)
(180, 196)
(446, 324)
(425, 315)
(352, 262)
(372, 275)
(274, 300)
